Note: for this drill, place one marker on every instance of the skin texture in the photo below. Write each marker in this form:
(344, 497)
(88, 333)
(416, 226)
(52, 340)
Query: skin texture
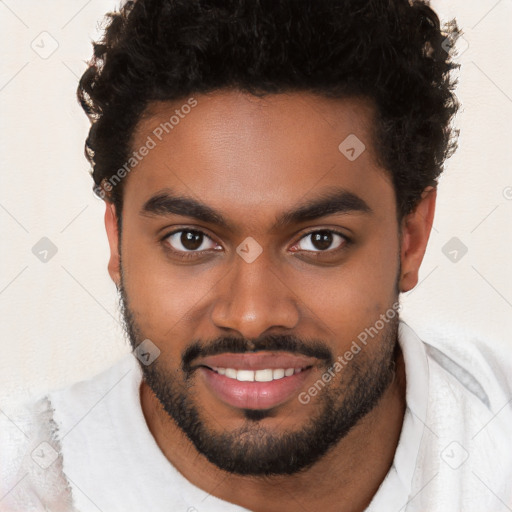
(252, 159)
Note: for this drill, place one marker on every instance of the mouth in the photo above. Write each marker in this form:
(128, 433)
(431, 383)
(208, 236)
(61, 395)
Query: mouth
(265, 375)
(255, 381)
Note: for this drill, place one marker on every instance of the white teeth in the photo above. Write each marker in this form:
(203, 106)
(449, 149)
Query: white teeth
(278, 373)
(245, 375)
(266, 375)
(231, 373)
(263, 375)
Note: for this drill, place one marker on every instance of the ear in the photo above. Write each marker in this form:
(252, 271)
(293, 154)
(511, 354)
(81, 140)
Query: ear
(416, 227)
(114, 267)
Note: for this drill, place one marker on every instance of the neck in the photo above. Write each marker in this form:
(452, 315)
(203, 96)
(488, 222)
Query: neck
(346, 478)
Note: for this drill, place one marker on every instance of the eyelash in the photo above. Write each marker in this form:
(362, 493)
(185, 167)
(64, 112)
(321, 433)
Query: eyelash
(188, 255)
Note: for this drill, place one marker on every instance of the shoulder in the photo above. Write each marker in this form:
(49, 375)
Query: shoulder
(482, 369)
(465, 456)
(31, 474)
(99, 384)
(31, 458)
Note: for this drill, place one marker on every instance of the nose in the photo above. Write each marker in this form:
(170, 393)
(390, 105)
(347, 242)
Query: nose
(253, 299)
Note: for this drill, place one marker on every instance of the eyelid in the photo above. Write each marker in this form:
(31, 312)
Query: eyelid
(181, 229)
(331, 230)
(346, 240)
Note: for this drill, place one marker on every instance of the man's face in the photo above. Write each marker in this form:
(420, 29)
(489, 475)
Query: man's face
(263, 294)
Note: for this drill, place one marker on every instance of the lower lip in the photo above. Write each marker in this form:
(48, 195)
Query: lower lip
(253, 395)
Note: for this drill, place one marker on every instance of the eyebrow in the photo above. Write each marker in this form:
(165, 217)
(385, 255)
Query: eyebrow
(332, 201)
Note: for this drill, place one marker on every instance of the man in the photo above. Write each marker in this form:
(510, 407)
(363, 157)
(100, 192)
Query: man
(269, 171)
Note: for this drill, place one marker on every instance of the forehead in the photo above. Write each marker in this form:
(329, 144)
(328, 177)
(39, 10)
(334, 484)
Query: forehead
(239, 153)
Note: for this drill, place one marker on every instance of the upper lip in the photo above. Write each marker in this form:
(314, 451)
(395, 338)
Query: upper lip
(256, 361)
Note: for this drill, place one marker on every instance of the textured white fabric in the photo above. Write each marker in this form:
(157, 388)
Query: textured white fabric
(454, 452)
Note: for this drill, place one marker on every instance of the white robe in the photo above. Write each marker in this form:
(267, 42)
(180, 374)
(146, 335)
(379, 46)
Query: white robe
(88, 448)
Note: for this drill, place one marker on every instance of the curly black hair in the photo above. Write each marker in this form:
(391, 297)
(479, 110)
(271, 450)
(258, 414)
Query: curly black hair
(392, 52)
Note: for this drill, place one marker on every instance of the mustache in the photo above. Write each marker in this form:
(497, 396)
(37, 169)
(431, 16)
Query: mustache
(274, 343)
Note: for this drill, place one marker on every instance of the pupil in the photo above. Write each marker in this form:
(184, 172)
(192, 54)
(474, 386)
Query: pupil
(322, 240)
(191, 240)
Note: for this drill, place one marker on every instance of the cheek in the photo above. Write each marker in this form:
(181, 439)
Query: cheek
(351, 297)
(163, 295)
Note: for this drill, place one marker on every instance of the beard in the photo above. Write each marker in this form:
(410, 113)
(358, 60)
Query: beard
(254, 448)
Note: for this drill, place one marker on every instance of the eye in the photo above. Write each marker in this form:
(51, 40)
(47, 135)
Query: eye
(321, 241)
(190, 240)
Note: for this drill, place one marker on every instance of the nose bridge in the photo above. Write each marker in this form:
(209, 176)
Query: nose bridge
(253, 299)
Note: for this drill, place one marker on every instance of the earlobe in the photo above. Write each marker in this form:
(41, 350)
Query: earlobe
(416, 228)
(113, 241)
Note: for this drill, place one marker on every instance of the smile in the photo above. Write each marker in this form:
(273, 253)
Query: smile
(266, 375)
(260, 380)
